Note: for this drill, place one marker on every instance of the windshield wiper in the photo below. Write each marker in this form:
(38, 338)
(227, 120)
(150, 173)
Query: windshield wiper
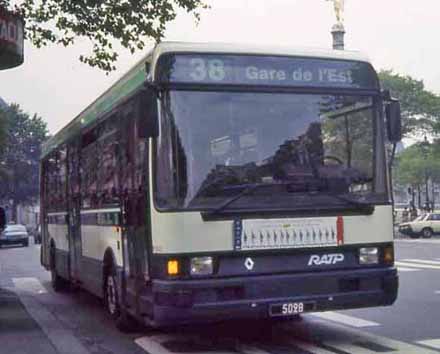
(252, 187)
(359, 205)
(249, 188)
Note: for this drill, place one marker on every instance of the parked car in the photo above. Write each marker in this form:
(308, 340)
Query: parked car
(424, 225)
(14, 234)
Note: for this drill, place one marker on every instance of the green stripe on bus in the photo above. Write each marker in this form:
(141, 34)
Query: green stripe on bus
(133, 80)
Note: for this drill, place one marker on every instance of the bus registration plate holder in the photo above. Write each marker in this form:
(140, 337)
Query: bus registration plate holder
(291, 308)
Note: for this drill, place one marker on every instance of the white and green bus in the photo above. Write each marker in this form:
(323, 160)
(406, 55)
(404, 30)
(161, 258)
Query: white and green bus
(216, 182)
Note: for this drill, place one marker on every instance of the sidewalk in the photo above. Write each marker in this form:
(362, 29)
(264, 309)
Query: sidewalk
(19, 333)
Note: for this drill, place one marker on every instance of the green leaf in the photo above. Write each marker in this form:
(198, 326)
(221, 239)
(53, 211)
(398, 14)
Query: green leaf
(103, 22)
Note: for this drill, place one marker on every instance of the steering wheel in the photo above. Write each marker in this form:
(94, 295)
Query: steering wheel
(333, 158)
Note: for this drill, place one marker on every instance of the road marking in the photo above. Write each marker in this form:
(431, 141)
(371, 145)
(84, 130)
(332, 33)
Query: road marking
(358, 342)
(247, 349)
(155, 345)
(416, 265)
(311, 348)
(351, 348)
(364, 339)
(152, 345)
(345, 319)
(403, 269)
(332, 347)
(424, 261)
(417, 241)
(432, 343)
(31, 285)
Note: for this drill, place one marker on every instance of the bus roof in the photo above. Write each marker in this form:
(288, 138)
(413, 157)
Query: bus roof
(135, 77)
(228, 48)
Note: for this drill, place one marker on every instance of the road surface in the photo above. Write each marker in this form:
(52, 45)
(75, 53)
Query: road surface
(34, 319)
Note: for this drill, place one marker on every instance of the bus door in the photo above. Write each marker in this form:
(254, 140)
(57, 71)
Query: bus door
(133, 156)
(74, 216)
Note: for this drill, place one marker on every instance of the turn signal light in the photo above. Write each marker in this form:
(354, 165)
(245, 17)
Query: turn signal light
(388, 255)
(173, 267)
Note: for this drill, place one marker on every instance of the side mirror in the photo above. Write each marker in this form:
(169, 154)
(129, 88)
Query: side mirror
(148, 121)
(394, 121)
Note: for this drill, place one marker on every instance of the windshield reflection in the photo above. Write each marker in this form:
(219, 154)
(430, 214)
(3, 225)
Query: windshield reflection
(215, 145)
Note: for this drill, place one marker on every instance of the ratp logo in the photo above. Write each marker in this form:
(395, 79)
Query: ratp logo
(326, 259)
(249, 264)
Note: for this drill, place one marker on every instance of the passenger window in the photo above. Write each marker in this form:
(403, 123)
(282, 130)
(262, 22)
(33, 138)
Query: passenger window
(107, 147)
(55, 179)
(89, 168)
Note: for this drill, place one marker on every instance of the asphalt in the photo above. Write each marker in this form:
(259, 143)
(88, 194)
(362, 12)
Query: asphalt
(34, 319)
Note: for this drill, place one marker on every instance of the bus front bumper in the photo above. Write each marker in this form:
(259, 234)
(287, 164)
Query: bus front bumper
(254, 297)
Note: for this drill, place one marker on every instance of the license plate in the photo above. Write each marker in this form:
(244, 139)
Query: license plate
(291, 308)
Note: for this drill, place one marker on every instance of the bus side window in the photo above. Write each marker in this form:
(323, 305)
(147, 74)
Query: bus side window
(89, 168)
(107, 148)
(62, 179)
(126, 154)
(55, 180)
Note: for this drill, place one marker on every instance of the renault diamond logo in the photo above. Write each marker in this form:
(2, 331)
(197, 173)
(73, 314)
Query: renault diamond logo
(249, 264)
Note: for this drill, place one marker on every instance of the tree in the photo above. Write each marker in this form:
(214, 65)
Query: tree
(102, 22)
(418, 165)
(20, 158)
(420, 107)
(410, 166)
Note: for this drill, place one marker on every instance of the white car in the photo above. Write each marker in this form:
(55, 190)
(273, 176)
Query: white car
(425, 225)
(13, 234)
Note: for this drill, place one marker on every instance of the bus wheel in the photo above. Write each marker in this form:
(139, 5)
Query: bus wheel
(112, 303)
(58, 283)
(111, 298)
(427, 232)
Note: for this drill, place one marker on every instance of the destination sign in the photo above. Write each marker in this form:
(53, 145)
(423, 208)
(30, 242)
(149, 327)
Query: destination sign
(265, 71)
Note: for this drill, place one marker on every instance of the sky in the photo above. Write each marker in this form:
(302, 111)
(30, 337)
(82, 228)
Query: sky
(396, 34)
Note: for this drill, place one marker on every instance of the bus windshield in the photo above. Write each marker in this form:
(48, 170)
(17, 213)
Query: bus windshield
(303, 150)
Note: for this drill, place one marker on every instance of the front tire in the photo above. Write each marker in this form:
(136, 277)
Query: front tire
(427, 232)
(58, 284)
(113, 305)
(111, 296)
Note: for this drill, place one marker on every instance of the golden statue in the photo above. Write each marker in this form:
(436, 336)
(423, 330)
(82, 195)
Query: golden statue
(339, 10)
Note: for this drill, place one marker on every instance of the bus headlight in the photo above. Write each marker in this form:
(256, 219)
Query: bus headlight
(201, 266)
(368, 255)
